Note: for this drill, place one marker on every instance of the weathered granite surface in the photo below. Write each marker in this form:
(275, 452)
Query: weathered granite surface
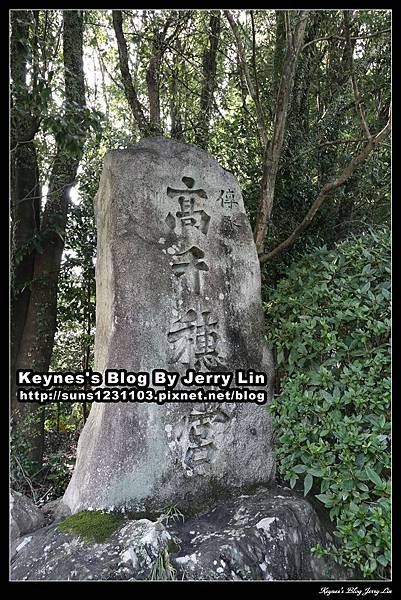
(263, 536)
(178, 287)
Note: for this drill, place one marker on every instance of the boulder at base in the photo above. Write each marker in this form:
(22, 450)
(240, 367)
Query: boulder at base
(265, 536)
(25, 516)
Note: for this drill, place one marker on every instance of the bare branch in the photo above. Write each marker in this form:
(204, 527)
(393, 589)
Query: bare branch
(323, 144)
(342, 177)
(339, 37)
(248, 79)
(27, 479)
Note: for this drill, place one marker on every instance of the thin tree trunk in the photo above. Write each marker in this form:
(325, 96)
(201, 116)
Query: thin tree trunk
(209, 62)
(252, 88)
(159, 44)
(153, 84)
(274, 146)
(175, 112)
(130, 91)
(279, 51)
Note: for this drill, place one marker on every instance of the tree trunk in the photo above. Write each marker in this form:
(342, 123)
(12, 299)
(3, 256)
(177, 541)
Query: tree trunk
(153, 85)
(274, 146)
(38, 336)
(176, 130)
(209, 62)
(279, 51)
(130, 91)
(25, 189)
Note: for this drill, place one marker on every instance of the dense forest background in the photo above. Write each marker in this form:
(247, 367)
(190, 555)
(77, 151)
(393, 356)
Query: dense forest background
(296, 104)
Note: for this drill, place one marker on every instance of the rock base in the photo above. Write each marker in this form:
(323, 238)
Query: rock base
(265, 536)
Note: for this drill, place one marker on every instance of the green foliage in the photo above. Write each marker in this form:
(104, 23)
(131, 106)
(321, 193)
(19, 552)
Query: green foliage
(22, 467)
(92, 526)
(57, 466)
(329, 325)
(62, 424)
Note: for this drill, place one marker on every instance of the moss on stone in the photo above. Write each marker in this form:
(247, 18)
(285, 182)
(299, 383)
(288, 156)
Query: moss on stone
(92, 526)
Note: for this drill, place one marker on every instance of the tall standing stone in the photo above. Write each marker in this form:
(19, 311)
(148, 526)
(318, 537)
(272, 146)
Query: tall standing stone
(178, 287)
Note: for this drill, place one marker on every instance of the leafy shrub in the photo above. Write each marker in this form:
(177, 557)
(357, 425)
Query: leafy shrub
(328, 321)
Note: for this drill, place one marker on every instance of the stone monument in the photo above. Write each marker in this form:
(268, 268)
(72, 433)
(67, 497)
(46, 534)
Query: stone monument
(178, 287)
